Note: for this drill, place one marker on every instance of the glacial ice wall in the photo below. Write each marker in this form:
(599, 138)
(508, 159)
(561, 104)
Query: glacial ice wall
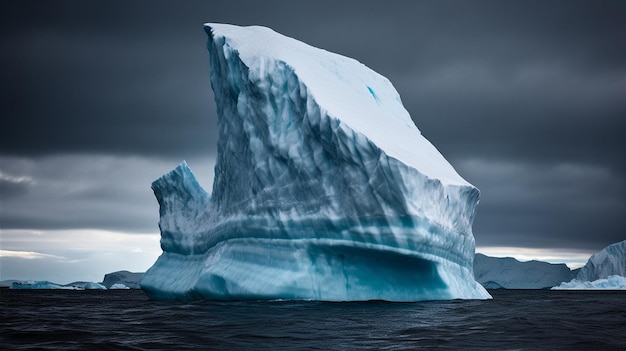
(607, 262)
(509, 273)
(324, 189)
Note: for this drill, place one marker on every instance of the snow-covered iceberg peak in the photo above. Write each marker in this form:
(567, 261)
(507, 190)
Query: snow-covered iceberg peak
(324, 188)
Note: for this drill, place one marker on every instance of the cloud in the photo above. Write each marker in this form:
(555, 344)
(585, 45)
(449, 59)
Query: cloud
(576, 206)
(64, 256)
(105, 87)
(89, 192)
(137, 81)
(530, 113)
(11, 186)
(179, 122)
(30, 255)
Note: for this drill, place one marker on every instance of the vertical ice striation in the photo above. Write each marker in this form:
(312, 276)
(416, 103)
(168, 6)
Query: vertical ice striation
(324, 188)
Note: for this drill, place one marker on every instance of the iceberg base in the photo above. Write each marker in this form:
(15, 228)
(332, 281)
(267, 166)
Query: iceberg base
(306, 270)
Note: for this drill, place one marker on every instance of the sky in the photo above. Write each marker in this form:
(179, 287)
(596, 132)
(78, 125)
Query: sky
(526, 99)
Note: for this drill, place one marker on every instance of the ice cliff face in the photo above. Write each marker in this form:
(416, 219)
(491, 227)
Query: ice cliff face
(605, 270)
(324, 188)
(610, 261)
(509, 273)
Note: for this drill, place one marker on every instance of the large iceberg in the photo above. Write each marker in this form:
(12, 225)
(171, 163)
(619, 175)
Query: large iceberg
(607, 262)
(324, 189)
(605, 269)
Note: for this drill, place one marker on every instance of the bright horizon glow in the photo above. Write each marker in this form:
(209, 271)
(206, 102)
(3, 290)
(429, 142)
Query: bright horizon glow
(572, 258)
(65, 256)
(29, 255)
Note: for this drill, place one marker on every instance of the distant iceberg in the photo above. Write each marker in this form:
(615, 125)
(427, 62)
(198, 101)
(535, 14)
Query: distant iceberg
(119, 286)
(126, 278)
(509, 273)
(614, 282)
(88, 285)
(604, 270)
(324, 188)
(607, 262)
(42, 284)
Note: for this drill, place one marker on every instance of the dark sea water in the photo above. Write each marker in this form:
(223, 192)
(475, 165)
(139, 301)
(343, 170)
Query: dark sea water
(128, 320)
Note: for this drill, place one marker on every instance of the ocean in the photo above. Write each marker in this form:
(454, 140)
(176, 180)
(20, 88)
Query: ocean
(128, 320)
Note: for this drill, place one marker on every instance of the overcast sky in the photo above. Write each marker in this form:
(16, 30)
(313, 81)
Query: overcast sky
(526, 99)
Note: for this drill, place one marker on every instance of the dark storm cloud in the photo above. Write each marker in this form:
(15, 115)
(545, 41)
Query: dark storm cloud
(84, 78)
(526, 98)
(86, 191)
(131, 78)
(546, 206)
(80, 192)
(499, 123)
(11, 187)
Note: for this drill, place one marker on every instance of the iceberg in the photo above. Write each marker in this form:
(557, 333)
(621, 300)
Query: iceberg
(119, 286)
(605, 269)
(87, 285)
(42, 284)
(614, 282)
(509, 273)
(46, 285)
(324, 188)
(607, 262)
(125, 278)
